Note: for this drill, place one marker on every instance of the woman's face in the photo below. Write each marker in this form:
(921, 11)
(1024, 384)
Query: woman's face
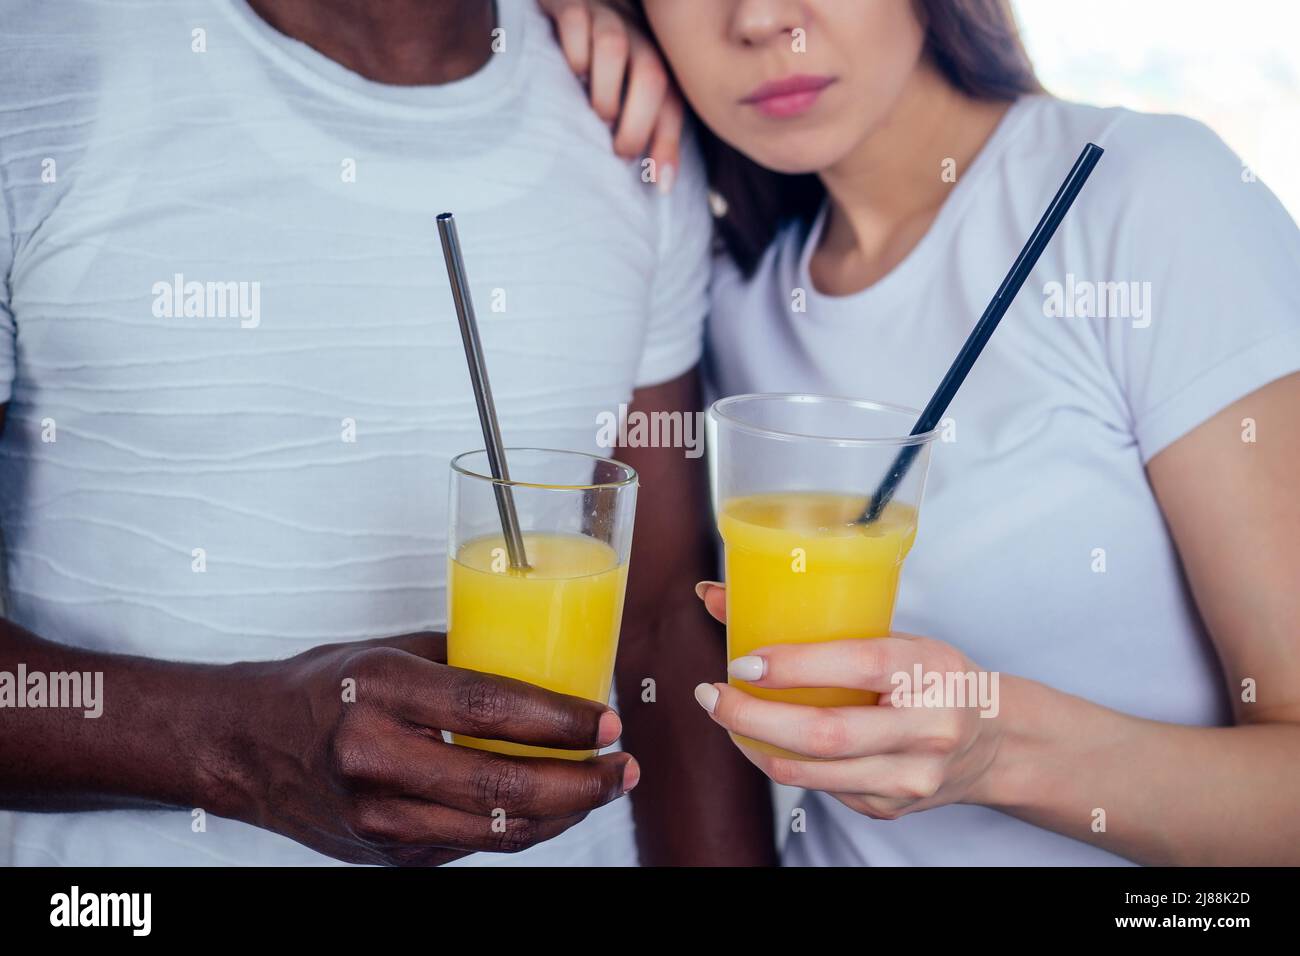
(793, 84)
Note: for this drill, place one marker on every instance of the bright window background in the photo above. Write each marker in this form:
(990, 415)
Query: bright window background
(1232, 64)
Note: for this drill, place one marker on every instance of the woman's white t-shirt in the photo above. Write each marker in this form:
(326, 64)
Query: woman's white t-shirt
(1171, 290)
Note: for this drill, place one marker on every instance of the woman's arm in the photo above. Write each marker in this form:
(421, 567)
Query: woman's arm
(1177, 794)
(1167, 793)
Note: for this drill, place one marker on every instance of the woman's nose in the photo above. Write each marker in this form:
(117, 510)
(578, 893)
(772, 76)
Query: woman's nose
(756, 22)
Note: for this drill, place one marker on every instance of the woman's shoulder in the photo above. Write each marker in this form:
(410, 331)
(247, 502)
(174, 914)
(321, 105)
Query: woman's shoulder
(1168, 194)
(1151, 159)
(1137, 135)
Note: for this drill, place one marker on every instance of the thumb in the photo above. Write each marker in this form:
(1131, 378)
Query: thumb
(714, 596)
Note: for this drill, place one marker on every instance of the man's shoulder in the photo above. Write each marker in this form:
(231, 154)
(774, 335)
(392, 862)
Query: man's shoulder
(56, 47)
(563, 125)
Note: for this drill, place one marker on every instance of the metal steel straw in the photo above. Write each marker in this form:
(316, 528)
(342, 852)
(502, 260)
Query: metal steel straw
(487, 413)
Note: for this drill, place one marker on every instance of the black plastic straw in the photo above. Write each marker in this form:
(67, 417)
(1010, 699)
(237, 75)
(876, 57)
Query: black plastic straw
(487, 412)
(997, 308)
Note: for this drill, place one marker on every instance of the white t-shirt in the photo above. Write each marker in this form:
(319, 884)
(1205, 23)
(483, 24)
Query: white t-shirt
(237, 155)
(1052, 428)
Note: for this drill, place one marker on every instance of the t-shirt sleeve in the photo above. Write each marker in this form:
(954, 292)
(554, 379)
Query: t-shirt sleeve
(1222, 259)
(8, 330)
(679, 297)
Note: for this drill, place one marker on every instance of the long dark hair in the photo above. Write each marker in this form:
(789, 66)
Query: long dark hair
(976, 46)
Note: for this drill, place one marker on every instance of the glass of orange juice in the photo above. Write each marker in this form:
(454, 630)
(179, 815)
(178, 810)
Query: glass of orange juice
(792, 476)
(554, 623)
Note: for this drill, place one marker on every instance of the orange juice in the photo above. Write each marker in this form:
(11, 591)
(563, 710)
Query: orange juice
(554, 624)
(800, 570)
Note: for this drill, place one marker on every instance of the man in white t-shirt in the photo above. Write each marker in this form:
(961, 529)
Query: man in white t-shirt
(210, 499)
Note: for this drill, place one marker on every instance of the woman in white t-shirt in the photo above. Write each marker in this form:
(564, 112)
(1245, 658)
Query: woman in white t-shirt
(1112, 523)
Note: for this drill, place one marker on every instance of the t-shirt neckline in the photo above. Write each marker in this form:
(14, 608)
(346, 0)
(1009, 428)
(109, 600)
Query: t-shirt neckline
(902, 279)
(492, 82)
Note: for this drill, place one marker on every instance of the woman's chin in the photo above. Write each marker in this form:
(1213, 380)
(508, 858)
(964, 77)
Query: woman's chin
(796, 154)
(791, 163)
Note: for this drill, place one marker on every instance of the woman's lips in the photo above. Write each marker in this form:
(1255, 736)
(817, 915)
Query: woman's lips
(789, 96)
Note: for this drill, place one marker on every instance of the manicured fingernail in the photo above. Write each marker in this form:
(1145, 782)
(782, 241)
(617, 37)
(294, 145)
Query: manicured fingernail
(749, 667)
(704, 586)
(610, 728)
(667, 175)
(707, 696)
(631, 774)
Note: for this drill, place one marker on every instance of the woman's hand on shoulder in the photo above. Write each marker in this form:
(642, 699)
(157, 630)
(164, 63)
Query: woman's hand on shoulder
(627, 79)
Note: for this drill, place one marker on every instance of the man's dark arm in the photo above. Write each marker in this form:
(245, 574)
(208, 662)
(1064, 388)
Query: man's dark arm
(700, 801)
(339, 748)
(155, 743)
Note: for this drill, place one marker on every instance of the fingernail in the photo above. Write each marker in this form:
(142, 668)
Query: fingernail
(707, 696)
(749, 667)
(703, 586)
(610, 728)
(667, 174)
(631, 774)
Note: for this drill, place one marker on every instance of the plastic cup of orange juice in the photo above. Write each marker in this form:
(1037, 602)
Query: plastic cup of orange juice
(792, 477)
(554, 623)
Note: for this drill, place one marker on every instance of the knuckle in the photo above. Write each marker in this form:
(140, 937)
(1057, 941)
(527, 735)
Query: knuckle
(483, 703)
(650, 74)
(501, 784)
(735, 710)
(611, 39)
(373, 668)
(519, 833)
(352, 758)
(410, 856)
(951, 661)
(939, 656)
(595, 788)
(869, 658)
(575, 725)
(370, 824)
(572, 20)
(654, 82)
(826, 735)
(954, 730)
(571, 12)
(923, 783)
(785, 771)
(947, 736)
(883, 811)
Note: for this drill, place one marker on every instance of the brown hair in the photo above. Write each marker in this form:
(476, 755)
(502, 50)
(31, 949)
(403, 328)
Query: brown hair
(975, 45)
